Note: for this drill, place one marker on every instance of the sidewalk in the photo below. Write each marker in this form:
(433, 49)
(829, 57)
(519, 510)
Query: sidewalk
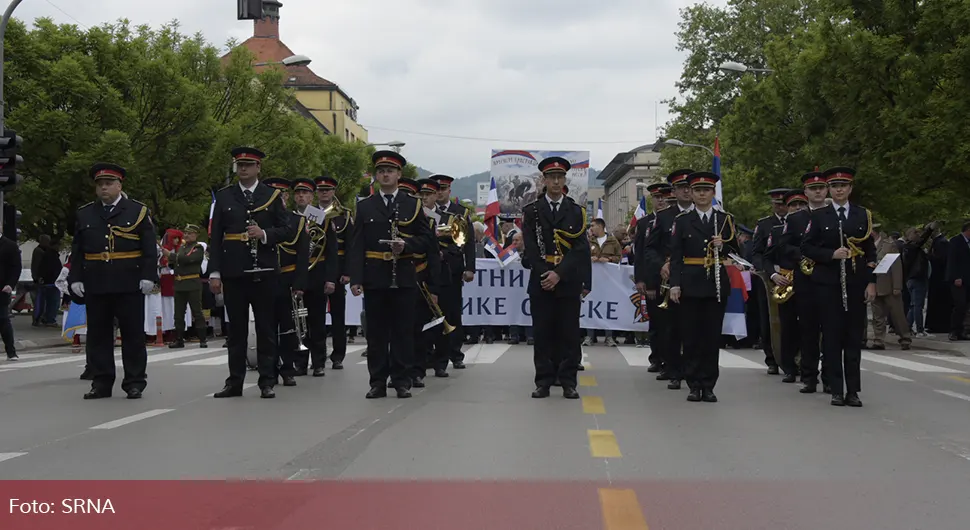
(30, 338)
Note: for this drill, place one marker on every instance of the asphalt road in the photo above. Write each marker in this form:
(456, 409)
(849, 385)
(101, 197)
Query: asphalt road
(478, 452)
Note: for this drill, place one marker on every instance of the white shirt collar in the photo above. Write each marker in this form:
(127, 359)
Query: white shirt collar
(682, 209)
(551, 202)
(117, 200)
(836, 207)
(705, 215)
(393, 195)
(251, 188)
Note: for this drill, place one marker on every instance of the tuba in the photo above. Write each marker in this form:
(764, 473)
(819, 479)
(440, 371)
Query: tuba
(783, 294)
(437, 315)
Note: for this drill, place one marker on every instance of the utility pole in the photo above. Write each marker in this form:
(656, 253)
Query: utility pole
(3, 32)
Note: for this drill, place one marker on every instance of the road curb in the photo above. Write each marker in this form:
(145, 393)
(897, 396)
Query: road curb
(40, 344)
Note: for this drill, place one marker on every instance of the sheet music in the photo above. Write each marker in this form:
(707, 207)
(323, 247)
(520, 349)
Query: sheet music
(886, 263)
(314, 214)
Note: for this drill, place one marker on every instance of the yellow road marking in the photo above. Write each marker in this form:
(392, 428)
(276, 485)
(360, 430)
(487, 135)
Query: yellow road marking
(602, 444)
(961, 379)
(587, 380)
(593, 405)
(621, 510)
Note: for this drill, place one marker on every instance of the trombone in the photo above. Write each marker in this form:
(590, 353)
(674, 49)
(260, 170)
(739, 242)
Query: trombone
(437, 316)
(299, 320)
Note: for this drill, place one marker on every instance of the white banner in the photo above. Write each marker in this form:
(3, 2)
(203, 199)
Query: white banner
(517, 177)
(498, 297)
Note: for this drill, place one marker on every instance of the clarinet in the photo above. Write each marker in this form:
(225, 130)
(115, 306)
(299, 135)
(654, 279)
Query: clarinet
(845, 292)
(539, 240)
(717, 260)
(395, 234)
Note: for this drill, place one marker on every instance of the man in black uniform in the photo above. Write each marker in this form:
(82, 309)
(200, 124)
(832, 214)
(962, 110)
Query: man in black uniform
(699, 244)
(558, 254)
(815, 191)
(463, 270)
(649, 284)
(244, 259)
(114, 256)
(762, 231)
(390, 232)
(839, 240)
(656, 250)
(781, 267)
(339, 221)
(321, 278)
(431, 346)
(293, 257)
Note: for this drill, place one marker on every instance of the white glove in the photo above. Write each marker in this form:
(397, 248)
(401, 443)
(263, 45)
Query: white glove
(146, 286)
(78, 288)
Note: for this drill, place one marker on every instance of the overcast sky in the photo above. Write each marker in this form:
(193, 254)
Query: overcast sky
(542, 74)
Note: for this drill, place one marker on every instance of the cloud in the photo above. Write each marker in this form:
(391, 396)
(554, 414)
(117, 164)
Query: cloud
(541, 70)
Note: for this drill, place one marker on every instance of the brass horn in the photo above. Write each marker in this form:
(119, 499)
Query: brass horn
(782, 294)
(299, 321)
(665, 288)
(807, 266)
(455, 229)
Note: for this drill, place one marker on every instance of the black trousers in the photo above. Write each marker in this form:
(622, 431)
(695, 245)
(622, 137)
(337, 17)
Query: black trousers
(790, 334)
(961, 298)
(451, 306)
(555, 327)
(6, 327)
(671, 339)
(390, 335)
(315, 301)
(843, 334)
(432, 346)
(102, 310)
(764, 319)
(258, 292)
(338, 323)
(810, 330)
(656, 325)
(700, 326)
(192, 299)
(285, 329)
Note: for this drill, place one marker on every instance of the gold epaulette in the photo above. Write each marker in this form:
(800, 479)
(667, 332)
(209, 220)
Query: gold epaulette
(301, 226)
(83, 206)
(417, 210)
(683, 213)
(267, 204)
(224, 188)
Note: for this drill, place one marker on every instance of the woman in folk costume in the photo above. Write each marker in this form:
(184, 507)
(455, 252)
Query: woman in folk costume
(161, 302)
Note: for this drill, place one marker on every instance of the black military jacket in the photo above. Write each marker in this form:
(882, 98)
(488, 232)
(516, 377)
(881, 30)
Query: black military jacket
(432, 270)
(762, 231)
(689, 241)
(370, 262)
(821, 238)
(468, 251)
(113, 252)
(656, 247)
(644, 226)
(324, 257)
(565, 246)
(187, 266)
(340, 225)
(229, 248)
(295, 255)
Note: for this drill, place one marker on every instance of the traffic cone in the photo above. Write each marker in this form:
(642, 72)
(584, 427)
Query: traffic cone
(159, 340)
(76, 344)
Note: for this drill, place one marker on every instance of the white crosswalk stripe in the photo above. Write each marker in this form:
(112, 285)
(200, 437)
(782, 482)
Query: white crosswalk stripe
(180, 354)
(948, 358)
(485, 353)
(907, 364)
(641, 357)
(894, 377)
(635, 356)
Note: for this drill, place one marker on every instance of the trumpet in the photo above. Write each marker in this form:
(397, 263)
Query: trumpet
(782, 294)
(665, 288)
(299, 320)
(455, 229)
(437, 315)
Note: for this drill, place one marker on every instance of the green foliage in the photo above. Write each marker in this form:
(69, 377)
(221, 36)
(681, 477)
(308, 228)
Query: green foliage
(162, 104)
(878, 86)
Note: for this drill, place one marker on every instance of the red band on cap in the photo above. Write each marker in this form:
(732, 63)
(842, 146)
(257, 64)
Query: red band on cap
(428, 188)
(303, 186)
(840, 177)
(678, 179)
(554, 165)
(815, 180)
(279, 186)
(388, 160)
(109, 173)
(244, 157)
(795, 198)
(703, 180)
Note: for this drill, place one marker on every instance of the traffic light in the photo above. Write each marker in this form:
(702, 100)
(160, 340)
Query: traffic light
(250, 9)
(11, 221)
(10, 144)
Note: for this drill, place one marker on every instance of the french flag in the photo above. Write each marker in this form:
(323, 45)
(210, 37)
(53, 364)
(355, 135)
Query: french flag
(734, 321)
(492, 211)
(716, 169)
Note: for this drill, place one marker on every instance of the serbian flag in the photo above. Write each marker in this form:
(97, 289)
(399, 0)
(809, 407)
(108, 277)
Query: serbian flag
(639, 212)
(599, 210)
(734, 321)
(492, 212)
(212, 210)
(504, 256)
(716, 169)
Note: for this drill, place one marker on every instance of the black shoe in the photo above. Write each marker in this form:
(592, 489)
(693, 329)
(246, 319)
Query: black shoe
(440, 372)
(134, 393)
(98, 393)
(790, 378)
(695, 395)
(878, 347)
(87, 376)
(319, 372)
(653, 368)
(569, 392)
(177, 344)
(808, 388)
(581, 368)
(663, 376)
(513, 342)
(852, 400)
(418, 382)
(541, 392)
(403, 392)
(338, 365)
(530, 342)
(838, 400)
(377, 392)
(772, 370)
(300, 372)
(459, 365)
(12, 357)
(289, 380)
(674, 384)
(267, 393)
(708, 396)
(229, 392)
(826, 389)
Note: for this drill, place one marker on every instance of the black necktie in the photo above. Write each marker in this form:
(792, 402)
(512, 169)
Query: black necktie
(249, 196)
(108, 208)
(388, 198)
(842, 213)
(555, 208)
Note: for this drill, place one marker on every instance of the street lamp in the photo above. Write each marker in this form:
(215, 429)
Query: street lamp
(396, 145)
(293, 60)
(731, 66)
(678, 143)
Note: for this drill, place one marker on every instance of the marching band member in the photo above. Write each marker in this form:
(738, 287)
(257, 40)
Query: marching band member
(321, 280)
(390, 232)
(249, 219)
(337, 300)
(557, 251)
(699, 244)
(839, 240)
(762, 231)
(649, 284)
(656, 250)
(114, 265)
(432, 276)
